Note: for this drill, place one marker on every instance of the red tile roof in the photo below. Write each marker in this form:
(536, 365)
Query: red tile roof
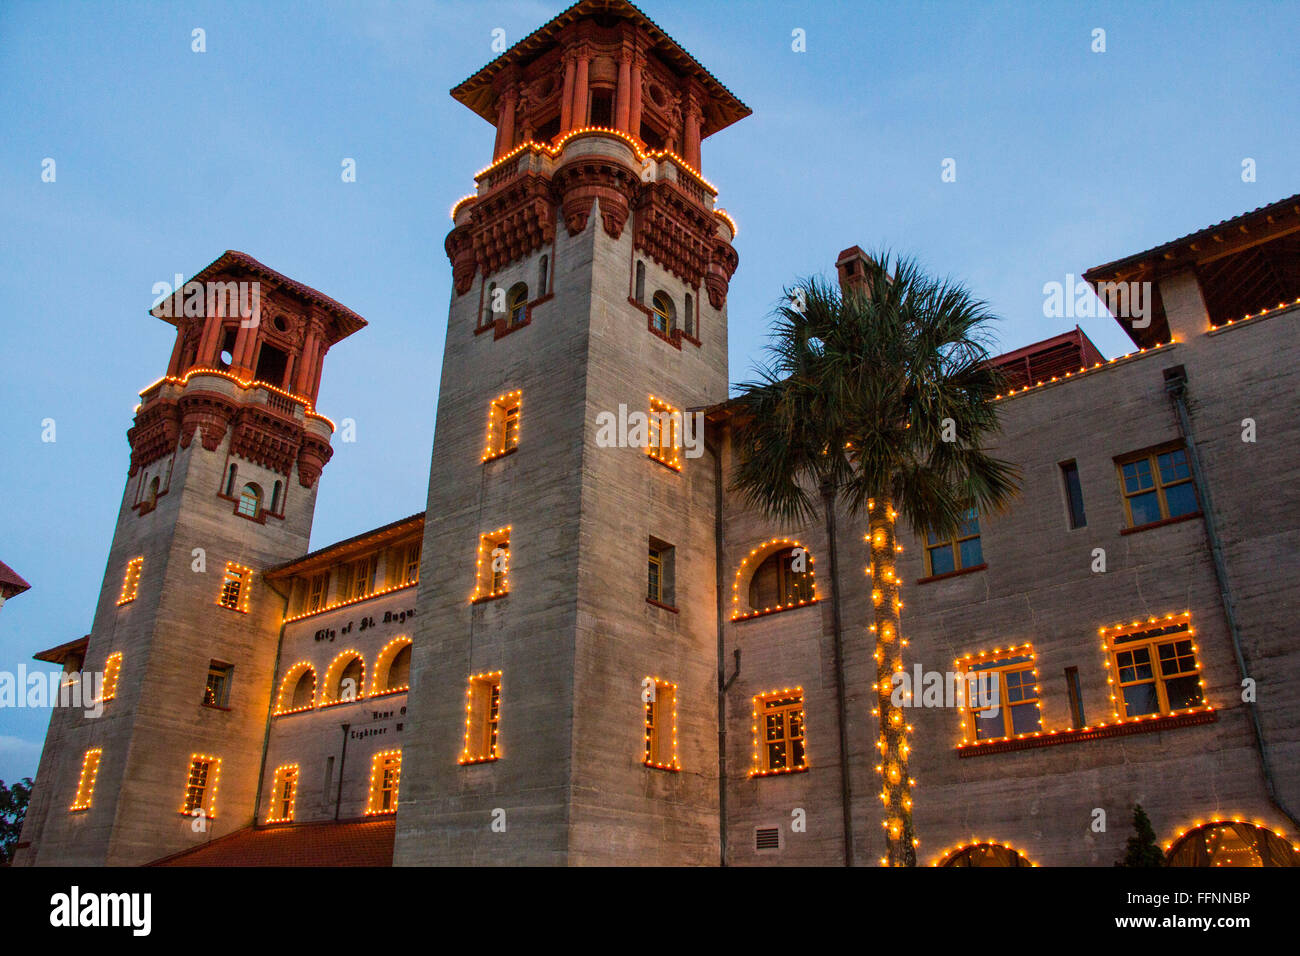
(351, 843)
(11, 582)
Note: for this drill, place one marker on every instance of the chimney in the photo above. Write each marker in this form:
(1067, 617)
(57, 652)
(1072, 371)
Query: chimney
(852, 268)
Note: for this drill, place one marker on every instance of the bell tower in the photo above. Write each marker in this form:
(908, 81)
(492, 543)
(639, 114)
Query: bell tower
(226, 451)
(564, 670)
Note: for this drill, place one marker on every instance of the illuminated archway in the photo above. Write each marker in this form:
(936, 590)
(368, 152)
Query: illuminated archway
(1231, 843)
(349, 665)
(388, 679)
(984, 853)
(793, 588)
(297, 689)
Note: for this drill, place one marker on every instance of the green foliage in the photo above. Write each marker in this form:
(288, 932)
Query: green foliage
(13, 808)
(1142, 849)
(861, 389)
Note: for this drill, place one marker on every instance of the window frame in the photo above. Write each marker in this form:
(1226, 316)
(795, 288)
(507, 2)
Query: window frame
(505, 413)
(517, 304)
(207, 791)
(384, 760)
(486, 584)
(663, 312)
(239, 598)
(256, 496)
(284, 789)
(1152, 458)
(1121, 640)
(225, 675)
(1014, 660)
(131, 581)
(85, 793)
(482, 742)
(784, 702)
(665, 699)
(112, 672)
(954, 543)
(655, 447)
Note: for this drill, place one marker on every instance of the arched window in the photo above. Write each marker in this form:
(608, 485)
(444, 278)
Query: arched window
(784, 578)
(690, 316)
(297, 690)
(275, 499)
(1232, 843)
(230, 480)
(345, 679)
(151, 498)
(640, 281)
(985, 854)
(665, 314)
(517, 303)
(491, 315)
(392, 667)
(541, 275)
(250, 501)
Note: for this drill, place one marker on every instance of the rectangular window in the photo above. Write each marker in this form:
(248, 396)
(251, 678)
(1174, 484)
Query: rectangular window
(961, 551)
(112, 668)
(411, 566)
(131, 581)
(1156, 486)
(86, 782)
(660, 724)
(660, 573)
(201, 786)
(482, 718)
(503, 425)
(385, 776)
(1001, 696)
(778, 733)
(284, 793)
(216, 693)
(234, 587)
(1077, 718)
(1073, 495)
(492, 569)
(665, 444)
(1153, 667)
(317, 590)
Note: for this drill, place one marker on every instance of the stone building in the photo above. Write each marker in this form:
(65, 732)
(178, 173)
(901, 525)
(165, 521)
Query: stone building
(571, 655)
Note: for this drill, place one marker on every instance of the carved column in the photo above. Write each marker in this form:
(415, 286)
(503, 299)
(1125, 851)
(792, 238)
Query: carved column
(634, 104)
(566, 98)
(623, 108)
(210, 343)
(692, 145)
(174, 366)
(506, 121)
(579, 116)
(302, 382)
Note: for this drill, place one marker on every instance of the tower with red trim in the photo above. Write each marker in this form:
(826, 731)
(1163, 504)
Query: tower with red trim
(569, 566)
(226, 452)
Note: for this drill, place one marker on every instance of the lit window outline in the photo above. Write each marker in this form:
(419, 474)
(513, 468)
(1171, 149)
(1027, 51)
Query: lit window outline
(131, 581)
(86, 781)
(761, 553)
(486, 583)
(654, 727)
(988, 663)
(238, 598)
(212, 775)
(112, 669)
(383, 664)
(488, 746)
(671, 453)
(286, 778)
(1119, 707)
(289, 684)
(503, 426)
(947, 857)
(760, 766)
(378, 763)
(334, 675)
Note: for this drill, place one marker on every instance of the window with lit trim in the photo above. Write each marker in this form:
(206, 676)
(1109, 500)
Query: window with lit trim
(492, 567)
(385, 777)
(284, 792)
(250, 501)
(234, 587)
(411, 564)
(1156, 486)
(482, 718)
(216, 693)
(960, 552)
(201, 786)
(392, 667)
(131, 581)
(1153, 668)
(345, 680)
(86, 782)
(665, 443)
(112, 668)
(1233, 843)
(317, 589)
(778, 733)
(661, 725)
(775, 576)
(1000, 694)
(297, 689)
(986, 854)
(503, 425)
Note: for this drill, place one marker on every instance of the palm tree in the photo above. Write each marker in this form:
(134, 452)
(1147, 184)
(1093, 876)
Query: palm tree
(784, 448)
(895, 372)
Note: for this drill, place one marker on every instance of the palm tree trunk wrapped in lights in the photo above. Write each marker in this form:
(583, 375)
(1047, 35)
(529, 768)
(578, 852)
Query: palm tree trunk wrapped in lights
(885, 393)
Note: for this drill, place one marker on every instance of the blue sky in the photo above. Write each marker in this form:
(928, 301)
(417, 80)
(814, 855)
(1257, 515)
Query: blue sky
(1065, 159)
